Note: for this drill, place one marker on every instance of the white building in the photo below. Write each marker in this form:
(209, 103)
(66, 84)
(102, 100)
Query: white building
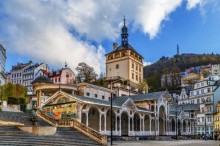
(215, 69)
(17, 72)
(2, 65)
(202, 94)
(29, 74)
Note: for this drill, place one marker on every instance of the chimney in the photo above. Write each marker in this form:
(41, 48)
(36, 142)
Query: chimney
(115, 45)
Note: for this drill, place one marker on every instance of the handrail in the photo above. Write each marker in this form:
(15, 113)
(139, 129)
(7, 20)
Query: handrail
(46, 117)
(70, 122)
(95, 135)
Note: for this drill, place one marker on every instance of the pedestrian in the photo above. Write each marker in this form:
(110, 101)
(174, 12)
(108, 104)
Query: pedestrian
(215, 136)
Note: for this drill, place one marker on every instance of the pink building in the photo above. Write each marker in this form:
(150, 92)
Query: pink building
(62, 76)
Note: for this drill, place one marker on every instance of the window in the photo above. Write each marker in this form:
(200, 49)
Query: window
(139, 69)
(109, 98)
(95, 95)
(117, 66)
(59, 79)
(197, 101)
(132, 75)
(197, 92)
(202, 91)
(87, 94)
(103, 97)
(132, 65)
(55, 79)
(208, 90)
(192, 93)
(137, 77)
(136, 67)
(202, 84)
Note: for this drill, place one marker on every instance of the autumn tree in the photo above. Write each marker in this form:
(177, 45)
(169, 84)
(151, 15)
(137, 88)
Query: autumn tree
(85, 73)
(143, 86)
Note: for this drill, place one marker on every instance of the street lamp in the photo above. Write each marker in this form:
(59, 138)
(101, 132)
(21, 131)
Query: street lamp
(112, 80)
(205, 129)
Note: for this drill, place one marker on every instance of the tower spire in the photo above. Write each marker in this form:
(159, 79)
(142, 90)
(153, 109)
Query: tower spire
(124, 34)
(178, 50)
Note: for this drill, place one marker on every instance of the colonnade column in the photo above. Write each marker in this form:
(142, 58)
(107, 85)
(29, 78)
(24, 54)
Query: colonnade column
(116, 121)
(150, 125)
(105, 122)
(133, 123)
(100, 122)
(129, 125)
(87, 118)
(120, 124)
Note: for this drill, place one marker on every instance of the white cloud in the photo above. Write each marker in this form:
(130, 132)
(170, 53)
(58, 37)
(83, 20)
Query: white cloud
(52, 31)
(193, 3)
(147, 63)
(153, 13)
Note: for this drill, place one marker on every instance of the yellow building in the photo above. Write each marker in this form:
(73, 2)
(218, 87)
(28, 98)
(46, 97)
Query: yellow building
(124, 61)
(217, 118)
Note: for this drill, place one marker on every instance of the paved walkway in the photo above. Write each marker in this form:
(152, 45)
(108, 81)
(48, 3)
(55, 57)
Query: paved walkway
(169, 143)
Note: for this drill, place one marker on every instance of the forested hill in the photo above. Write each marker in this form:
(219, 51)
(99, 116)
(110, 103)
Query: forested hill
(175, 64)
(180, 63)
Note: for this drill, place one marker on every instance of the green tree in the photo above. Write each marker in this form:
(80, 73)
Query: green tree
(85, 73)
(143, 86)
(11, 90)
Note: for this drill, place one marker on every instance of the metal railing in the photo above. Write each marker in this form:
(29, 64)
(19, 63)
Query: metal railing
(93, 134)
(47, 118)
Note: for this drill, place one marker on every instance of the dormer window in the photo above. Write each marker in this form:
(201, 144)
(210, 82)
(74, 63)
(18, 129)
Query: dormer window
(87, 94)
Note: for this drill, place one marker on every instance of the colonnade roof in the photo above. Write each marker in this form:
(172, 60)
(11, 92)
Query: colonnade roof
(148, 96)
(185, 107)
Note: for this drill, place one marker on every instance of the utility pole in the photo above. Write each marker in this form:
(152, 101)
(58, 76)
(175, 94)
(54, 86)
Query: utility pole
(205, 129)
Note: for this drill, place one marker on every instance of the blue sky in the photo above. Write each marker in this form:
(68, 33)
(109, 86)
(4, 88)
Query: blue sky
(55, 32)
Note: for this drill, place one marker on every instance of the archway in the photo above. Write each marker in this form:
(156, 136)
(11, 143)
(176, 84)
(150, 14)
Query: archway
(124, 124)
(173, 125)
(179, 127)
(147, 123)
(93, 118)
(83, 118)
(108, 120)
(184, 125)
(162, 119)
(137, 122)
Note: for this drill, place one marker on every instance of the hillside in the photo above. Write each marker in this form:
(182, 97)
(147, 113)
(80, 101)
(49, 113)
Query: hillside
(176, 64)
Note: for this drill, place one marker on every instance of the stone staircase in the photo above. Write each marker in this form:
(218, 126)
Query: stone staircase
(12, 136)
(20, 117)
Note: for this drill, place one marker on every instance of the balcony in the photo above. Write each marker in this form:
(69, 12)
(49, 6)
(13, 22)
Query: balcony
(207, 102)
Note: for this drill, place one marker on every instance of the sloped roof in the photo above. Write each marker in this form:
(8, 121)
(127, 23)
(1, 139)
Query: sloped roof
(124, 47)
(95, 100)
(42, 79)
(119, 101)
(173, 113)
(148, 96)
(185, 107)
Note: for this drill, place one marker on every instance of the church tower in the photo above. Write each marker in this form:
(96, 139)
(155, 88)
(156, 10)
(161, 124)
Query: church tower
(124, 61)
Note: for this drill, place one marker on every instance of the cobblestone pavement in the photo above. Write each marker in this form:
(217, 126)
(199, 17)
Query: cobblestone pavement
(169, 143)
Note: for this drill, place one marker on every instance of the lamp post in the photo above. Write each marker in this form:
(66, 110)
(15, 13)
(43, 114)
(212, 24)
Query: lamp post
(205, 129)
(176, 119)
(112, 80)
(195, 128)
